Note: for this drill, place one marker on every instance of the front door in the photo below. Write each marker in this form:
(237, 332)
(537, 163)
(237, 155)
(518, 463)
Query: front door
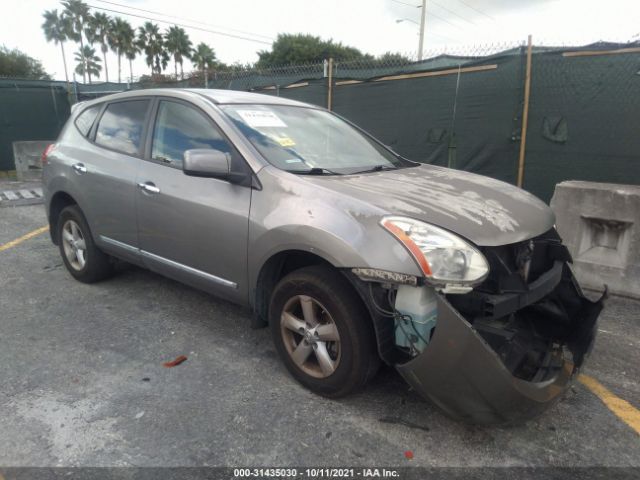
(190, 228)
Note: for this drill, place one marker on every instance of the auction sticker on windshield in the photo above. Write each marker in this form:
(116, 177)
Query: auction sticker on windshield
(261, 118)
(283, 141)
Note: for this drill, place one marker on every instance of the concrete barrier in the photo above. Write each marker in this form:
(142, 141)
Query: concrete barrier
(27, 157)
(600, 224)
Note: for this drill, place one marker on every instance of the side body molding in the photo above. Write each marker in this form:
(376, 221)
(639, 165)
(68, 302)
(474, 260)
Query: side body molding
(207, 277)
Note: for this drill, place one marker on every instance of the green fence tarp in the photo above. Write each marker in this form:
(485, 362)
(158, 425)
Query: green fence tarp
(583, 121)
(582, 111)
(29, 112)
(466, 121)
(582, 116)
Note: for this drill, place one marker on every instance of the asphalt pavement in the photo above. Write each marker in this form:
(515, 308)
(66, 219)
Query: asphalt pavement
(83, 384)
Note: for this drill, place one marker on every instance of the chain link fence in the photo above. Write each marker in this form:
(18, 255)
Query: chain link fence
(460, 107)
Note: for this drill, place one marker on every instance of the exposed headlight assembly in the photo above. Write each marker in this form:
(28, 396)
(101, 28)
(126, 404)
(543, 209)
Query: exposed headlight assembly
(444, 258)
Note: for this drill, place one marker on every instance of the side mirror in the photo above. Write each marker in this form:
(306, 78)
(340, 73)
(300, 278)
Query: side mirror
(205, 162)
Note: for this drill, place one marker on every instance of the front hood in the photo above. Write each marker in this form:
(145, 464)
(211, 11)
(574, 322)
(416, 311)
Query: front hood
(486, 211)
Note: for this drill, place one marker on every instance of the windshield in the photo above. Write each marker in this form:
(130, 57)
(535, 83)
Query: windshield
(305, 140)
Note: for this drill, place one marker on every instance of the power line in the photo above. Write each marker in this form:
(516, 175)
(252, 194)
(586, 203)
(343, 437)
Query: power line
(431, 14)
(240, 37)
(186, 19)
(454, 13)
(407, 4)
(476, 10)
(428, 32)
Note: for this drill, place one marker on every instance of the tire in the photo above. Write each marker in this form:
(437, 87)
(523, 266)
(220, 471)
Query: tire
(309, 350)
(88, 264)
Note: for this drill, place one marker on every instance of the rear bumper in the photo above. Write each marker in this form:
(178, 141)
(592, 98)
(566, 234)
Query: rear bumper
(463, 375)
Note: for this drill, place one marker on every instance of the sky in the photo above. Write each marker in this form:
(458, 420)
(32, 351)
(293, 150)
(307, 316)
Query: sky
(373, 26)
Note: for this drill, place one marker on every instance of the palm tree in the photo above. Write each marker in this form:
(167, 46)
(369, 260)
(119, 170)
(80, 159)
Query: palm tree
(99, 30)
(151, 43)
(121, 39)
(131, 52)
(78, 14)
(177, 43)
(88, 62)
(57, 30)
(204, 57)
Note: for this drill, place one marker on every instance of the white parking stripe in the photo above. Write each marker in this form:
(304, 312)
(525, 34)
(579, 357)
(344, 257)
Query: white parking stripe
(10, 195)
(37, 191)
(26, 194)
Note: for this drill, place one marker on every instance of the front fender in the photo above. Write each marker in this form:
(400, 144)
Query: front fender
(290, 213)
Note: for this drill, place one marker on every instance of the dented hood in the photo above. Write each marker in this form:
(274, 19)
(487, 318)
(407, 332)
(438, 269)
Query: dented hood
(486, 211)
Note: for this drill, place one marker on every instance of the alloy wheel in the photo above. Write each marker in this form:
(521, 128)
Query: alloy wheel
(310, 336)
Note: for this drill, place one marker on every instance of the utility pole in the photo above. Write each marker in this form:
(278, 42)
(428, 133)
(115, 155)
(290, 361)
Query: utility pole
(422, 20)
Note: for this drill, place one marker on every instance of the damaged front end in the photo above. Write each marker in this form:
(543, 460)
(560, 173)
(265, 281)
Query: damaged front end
(503, 352)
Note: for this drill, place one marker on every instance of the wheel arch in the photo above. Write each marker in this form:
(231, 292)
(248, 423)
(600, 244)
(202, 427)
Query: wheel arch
(59, 201)
(286, 261)
(272, 271)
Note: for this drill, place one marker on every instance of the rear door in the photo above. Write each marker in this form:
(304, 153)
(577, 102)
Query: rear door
(190, 228)
(109, 175)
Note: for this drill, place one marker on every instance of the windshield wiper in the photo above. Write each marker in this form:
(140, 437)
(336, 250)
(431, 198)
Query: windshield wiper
(315, 171)
(376, 168)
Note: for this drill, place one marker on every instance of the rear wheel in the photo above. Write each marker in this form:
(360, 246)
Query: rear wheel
(322, 331)
(83, 259)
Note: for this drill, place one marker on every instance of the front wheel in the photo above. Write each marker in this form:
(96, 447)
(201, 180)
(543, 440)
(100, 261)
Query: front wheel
(322, 331)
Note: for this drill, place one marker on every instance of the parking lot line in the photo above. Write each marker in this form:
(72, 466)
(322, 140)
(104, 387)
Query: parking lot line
(10, 195)
(26, 193)
(17, 241)
(623, 409)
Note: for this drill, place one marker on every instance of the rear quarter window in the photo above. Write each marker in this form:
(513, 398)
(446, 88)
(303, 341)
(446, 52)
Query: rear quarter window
(85, 120)
(121, 125)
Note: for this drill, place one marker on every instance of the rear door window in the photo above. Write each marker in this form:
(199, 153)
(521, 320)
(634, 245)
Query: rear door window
(180, 128)
(85, 120)
(121, 126)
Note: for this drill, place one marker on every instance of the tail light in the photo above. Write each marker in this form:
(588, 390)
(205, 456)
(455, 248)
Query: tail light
(46, 153)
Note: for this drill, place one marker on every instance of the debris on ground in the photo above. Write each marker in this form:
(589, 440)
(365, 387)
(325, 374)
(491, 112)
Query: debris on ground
(176, 362)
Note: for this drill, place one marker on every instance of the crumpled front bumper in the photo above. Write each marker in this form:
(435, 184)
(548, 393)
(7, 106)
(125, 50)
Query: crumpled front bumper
(465, 377)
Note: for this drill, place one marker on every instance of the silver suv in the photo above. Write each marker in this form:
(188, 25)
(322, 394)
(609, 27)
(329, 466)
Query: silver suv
(350, 253)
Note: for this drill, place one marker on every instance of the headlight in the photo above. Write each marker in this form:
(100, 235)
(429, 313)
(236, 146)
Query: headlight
(442, 256)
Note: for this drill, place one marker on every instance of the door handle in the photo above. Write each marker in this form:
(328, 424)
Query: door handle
(149, 187)
(79, 168)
